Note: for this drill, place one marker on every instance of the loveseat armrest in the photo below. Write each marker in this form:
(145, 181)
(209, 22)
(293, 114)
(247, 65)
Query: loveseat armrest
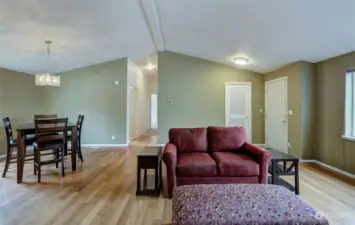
(261, 156)
(170, 160)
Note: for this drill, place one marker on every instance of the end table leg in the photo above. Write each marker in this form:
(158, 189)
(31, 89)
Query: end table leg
(138, 180)
(297, 185)
(156, 178)
(273, 171)
(145, 179)
(160, 176)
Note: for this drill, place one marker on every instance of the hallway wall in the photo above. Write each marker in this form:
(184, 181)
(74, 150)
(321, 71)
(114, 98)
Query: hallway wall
(138, 103)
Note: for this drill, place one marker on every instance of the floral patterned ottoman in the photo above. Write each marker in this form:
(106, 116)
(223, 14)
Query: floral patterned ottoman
(241, 204)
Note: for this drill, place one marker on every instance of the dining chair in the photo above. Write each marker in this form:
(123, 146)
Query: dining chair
(11, 144)
(79, 125)
(51, 134)
(45, 116)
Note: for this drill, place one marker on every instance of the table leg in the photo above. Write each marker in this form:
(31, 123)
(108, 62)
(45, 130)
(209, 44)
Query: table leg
(20, 155)
(297, 185)
(74, 148)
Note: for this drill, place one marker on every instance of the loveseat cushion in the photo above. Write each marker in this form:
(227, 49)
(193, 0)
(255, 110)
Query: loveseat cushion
(196, 165)
(232, 164)
(189, 140)
(226, 139)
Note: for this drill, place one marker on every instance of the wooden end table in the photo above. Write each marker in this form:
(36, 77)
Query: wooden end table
(149, 158)
(283, 164)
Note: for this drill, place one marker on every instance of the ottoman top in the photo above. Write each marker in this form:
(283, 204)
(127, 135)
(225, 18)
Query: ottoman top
(241, 204)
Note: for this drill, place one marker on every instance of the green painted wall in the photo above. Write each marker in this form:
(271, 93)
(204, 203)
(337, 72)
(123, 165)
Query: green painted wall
(91, 92)
(330, 95)
(197, 87)
(300, 76)
(20, 99)
(308, 110)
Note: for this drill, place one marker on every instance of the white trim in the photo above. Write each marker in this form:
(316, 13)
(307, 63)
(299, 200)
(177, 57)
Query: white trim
(265, 114)
(329, 167)
(104, 145)
(249, 104)
(160, 145)
(261, 145)
(348, 138)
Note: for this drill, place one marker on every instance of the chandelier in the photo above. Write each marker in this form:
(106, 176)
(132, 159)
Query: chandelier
(47, 79)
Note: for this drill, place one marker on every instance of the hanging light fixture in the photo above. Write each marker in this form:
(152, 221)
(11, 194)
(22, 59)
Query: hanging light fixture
(47, 79)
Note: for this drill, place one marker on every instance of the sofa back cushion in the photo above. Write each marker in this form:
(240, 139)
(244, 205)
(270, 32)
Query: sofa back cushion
(189, 140)
(226, 139)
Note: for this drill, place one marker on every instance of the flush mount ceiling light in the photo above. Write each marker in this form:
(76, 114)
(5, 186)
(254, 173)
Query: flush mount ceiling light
(150, 66)
(241, 61)
(47, 79)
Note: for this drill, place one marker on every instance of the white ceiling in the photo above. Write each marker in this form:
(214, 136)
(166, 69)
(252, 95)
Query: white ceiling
(270, 33)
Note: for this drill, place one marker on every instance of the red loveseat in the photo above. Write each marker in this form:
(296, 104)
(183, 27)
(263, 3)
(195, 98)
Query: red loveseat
(213, 155)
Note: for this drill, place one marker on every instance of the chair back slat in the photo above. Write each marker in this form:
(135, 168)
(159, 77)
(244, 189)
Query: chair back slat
(51, 129)
(52, 137)
(8, 130)
(45, 116)
(79, 124)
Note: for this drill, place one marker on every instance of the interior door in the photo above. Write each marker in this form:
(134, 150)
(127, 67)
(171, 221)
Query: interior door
(238, 105)
(276, 114)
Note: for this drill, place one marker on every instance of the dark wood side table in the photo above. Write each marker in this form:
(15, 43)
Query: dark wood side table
(149, 158)
(283, 164)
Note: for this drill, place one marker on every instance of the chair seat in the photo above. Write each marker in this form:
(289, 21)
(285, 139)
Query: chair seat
(232, 164)
(49, 144)
(196, 165)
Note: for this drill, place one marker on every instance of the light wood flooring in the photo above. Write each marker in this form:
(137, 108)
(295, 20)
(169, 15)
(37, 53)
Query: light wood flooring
(102, 191)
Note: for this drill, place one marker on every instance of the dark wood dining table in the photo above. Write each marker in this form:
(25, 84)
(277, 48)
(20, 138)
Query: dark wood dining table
(29, 129)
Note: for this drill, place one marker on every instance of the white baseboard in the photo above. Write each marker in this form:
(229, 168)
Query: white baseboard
(329, 167)
(103, 145)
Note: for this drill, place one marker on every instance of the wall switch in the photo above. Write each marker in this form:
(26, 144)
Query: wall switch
(116, 82)
(289, 112)
(261, 110)
(113, 137)
(288, 144)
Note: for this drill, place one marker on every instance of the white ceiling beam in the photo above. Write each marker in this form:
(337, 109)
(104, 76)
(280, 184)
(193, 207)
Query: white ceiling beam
(152, 18)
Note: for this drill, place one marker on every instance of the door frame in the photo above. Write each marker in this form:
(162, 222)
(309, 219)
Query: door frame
(249, 107)
(285, 78)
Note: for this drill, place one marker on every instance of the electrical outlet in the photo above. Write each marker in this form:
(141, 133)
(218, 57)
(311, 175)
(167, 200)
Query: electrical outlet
(113, 137)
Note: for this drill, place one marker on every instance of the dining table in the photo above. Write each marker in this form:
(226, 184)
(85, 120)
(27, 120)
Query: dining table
(25, 129)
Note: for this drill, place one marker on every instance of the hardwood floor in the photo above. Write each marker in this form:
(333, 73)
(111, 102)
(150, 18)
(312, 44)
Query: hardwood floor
(102, 191)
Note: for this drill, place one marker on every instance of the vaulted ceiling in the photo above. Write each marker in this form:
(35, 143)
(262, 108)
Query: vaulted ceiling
(270, 33)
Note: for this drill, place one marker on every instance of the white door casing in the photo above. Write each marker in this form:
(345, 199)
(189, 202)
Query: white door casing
(238, 105)
(276, 114)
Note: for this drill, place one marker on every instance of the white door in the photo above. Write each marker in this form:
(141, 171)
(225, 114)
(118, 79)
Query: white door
(276, 114)
(238, 105)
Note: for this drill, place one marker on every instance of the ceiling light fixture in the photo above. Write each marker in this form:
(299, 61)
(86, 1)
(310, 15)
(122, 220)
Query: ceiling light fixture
(241, 61)
(47, 79)
(150, 66)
